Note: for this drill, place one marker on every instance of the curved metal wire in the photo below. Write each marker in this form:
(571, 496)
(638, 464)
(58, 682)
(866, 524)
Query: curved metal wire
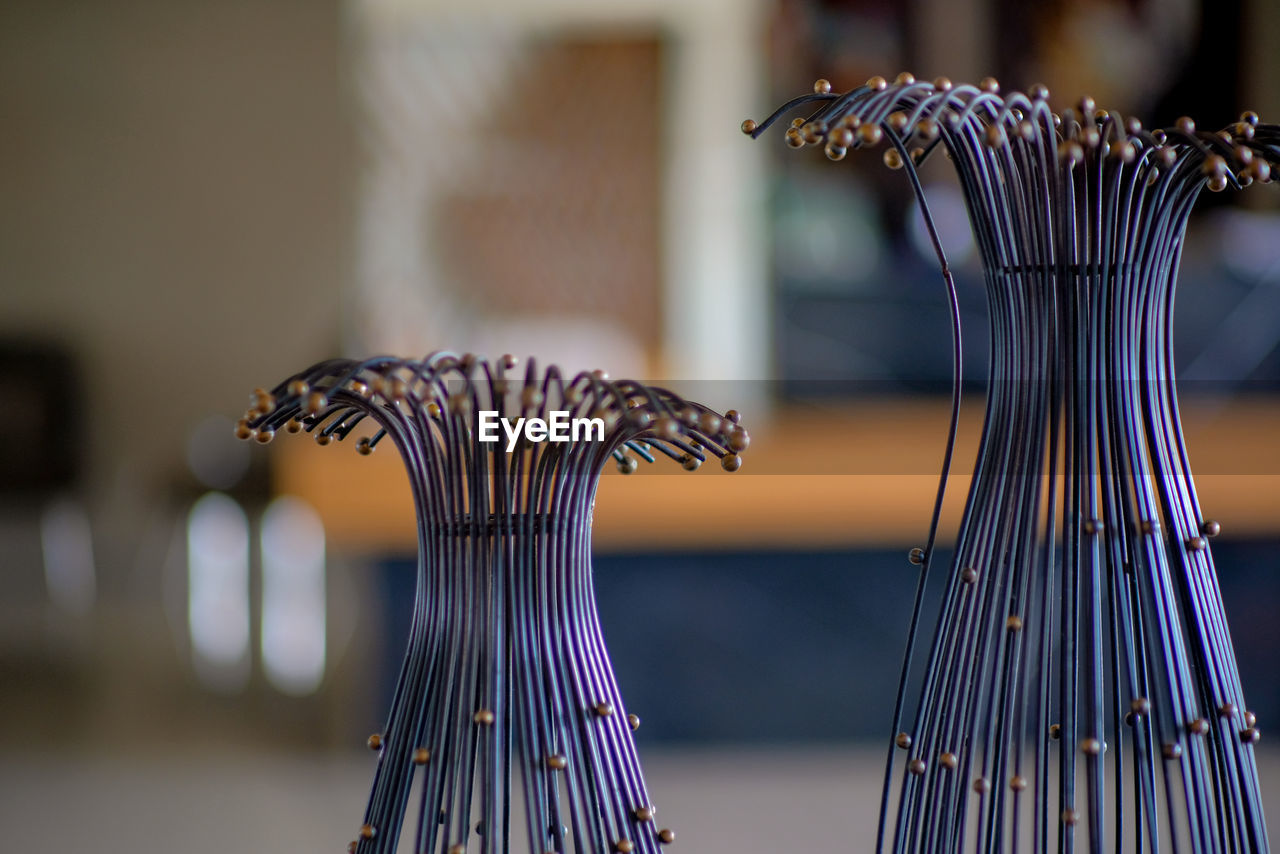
(506, 703)
(1079, 684)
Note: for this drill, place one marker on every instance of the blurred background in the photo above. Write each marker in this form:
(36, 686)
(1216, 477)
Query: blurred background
(198, 198)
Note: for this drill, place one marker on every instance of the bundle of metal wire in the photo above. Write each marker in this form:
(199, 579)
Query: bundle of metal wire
(1079, 681)
(506, 704)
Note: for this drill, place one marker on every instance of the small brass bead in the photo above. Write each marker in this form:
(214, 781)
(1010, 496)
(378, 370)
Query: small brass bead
(1014, 623)
(1226, 710)
(484, 717)
(1140, 706)
(892, 158)
(1055, 731)
(604, 710)
(666, 836)
(1215, 165)
(531, 397)
(323, 439)
(877, 84)
(364, 447)
(1070, 153)
(948, 761)
(1017, 783)
(1166, 156)
(368, 831)
(1039, 92)
(902, 740)
(1090, 137)
(1199, 726)
(739, 440)
(793, 138)
(1148, 526)
(1210, 528)
(624, 846)
(869, 134)
(731, 462)
(458, 848)
(1250, 735)
(989, 84)
(316, 402)
(1249, 117)
(643, 814)
(897, 121)
(1068, 816)
(821, 86)
(916, 767)
(1196, 544)
(293, 425)
(666, 428)
(840, 138)
(374, 742)
(994, 136)
(633, 721)
(557, 762)
(982, 785)
(1093, 526)
(1172, 751)
(421, 756)
(1185, 125)
(906, 78)
(968, 575)
(1087, 106)
(1090, 747)
(733, 416)
(298, 388)
(243, 431)
(690, 463)
(352, 846)
(916, 556)
(942, 84)
(813, 132)
(628, 465)
(1250, 719)
(927, 129)
(749, 126)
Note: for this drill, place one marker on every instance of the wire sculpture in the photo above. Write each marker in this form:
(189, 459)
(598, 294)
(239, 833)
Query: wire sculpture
(506, 679)
(1080, 681)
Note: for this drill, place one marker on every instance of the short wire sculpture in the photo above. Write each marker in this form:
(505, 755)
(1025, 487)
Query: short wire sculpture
(506, 679)
(1080, 680)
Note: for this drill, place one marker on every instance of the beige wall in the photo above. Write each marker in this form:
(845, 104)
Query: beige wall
(175, 204)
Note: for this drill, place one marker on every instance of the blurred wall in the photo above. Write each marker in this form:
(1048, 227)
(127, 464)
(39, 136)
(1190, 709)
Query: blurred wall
(176, 209)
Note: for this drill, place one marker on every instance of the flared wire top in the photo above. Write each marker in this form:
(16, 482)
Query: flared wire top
(466, 422)
(1057, 191)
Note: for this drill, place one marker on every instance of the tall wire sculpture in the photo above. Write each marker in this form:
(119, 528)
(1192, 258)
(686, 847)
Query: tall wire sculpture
(1079, 684)
(506, 702)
